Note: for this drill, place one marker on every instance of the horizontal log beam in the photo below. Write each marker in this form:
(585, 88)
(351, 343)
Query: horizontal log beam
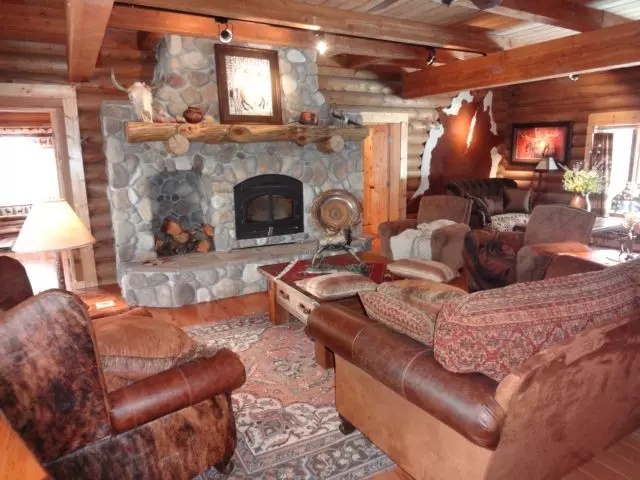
(161, 22)
(605, 49)
(288, 13)
(559, 13)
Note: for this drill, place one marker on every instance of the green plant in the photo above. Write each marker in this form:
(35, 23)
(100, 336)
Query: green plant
(583, 180)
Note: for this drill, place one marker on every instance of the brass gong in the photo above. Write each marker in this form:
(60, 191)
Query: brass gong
(336, 210)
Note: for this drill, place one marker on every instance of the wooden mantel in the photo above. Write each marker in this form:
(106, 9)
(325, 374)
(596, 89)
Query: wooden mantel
(183, 133)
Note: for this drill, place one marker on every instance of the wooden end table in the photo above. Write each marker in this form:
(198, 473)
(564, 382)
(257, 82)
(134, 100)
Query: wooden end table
(286, 299)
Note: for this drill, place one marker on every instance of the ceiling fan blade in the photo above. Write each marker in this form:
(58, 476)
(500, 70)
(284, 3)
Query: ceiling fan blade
(484, 4)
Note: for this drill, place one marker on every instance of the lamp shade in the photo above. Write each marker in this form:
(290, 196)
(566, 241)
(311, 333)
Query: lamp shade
(52, 226)
(546, 164)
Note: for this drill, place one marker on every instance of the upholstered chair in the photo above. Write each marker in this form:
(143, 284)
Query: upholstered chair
(446, 242)
(14, 283)
(175, 424)
(496, 259)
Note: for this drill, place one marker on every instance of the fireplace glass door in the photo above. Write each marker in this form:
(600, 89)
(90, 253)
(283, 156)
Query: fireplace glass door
(268, 205)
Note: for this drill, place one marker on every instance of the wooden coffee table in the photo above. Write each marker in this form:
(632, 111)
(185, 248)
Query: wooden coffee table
(286, 299)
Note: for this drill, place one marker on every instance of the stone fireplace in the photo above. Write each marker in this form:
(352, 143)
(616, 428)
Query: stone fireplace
(257, 196)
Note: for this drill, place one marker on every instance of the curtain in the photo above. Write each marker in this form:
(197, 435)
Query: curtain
(602, 157)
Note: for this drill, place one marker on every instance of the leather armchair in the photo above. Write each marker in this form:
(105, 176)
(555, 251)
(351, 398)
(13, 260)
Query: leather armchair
(175, 424)
(496, 259)
(15, 283)
(446, 243)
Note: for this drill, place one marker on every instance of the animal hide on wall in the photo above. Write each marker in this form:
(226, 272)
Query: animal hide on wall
(463, 146)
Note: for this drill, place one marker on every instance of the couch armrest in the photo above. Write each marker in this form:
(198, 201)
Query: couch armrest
(563, 265)
(576, 398)
(464, 402)
(175, 389)
(533, 260)
(447, 244)
(386, 230)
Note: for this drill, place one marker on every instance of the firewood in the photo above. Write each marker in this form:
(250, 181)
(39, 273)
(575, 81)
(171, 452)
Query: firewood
(182, 237)
(171, 227)
(203, 246)
(207, 229)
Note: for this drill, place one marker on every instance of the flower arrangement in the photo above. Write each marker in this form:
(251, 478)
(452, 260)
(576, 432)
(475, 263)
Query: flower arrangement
(583, 180)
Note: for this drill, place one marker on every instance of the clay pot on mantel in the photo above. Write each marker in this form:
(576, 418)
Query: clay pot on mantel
(193, 115)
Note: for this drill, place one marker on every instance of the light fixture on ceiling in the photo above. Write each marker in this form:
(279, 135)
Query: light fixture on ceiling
(225, 32)
(574, 77)
(431, 58)
(321, 44)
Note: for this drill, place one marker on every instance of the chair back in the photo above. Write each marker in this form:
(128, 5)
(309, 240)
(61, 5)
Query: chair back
(50, 383)
(559, 223)
(444, 207)
(15, 286)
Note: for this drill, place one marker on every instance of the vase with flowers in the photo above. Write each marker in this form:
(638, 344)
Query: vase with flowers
(582, 182)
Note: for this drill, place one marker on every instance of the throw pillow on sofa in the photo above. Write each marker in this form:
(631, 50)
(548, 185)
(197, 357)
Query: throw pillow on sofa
(495, 331)
(409, 306)
(517, 201)
(337, 285)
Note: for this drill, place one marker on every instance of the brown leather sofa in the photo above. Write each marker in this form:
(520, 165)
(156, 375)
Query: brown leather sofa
(175, 424)
(560, 408)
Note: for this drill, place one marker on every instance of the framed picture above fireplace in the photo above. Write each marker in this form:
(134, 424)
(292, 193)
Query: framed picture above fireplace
(532, 141)
(248, 85)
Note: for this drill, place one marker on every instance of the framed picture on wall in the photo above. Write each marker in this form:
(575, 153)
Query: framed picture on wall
(532, 141)
(248, 85)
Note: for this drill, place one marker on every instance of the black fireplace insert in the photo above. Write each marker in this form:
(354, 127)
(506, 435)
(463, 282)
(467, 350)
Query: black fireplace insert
(268, 205)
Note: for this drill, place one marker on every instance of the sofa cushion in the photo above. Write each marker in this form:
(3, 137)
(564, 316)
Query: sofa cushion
(420, 269)
(337, 285)
(517, 201)
(495, 331)
(140, 345)
(494, 203)
(409, 306)
(506, 221)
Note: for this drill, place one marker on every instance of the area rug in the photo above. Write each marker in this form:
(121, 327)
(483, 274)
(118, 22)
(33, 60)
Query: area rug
(285, 412)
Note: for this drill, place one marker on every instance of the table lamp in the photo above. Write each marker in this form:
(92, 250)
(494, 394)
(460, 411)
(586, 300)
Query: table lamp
(52, 227)
(545, 165)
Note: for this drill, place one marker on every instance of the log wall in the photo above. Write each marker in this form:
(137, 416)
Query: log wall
(361, 90)
(35, 62)
(563, 100)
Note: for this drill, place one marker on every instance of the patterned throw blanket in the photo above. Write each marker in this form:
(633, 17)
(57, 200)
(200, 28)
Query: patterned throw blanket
(416, 243)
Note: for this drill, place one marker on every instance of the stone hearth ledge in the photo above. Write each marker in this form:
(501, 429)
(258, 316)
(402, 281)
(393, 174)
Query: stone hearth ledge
(204, 277)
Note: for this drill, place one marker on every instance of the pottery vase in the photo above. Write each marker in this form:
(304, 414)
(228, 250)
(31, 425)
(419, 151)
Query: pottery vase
(580, 200)
(193, 115)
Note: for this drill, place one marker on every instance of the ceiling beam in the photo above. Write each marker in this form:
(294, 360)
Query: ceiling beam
(604, 49)
(160, 22)
(559, 13)
(86, 25)
(288, 13)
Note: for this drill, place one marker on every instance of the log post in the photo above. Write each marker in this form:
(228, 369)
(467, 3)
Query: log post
(333, 144)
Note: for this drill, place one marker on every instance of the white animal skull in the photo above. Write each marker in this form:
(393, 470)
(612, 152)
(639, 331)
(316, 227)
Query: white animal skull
(140, 96)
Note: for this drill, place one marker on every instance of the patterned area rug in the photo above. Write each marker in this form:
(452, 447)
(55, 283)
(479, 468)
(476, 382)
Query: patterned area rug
(285, 412)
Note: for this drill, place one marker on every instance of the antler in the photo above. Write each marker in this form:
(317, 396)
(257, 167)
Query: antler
(115, 82)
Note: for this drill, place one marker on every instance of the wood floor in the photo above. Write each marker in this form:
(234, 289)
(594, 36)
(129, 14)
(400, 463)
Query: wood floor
(620, 462)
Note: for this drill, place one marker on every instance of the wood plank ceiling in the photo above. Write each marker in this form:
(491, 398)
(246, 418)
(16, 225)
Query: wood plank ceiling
(507, 26)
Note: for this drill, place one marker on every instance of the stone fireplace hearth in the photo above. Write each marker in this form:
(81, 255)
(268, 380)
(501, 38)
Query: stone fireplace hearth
(146, 183)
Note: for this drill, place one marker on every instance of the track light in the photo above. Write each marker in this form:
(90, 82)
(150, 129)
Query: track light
(432, 56)
(321, 44)
(224, 34)
(574, 77)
